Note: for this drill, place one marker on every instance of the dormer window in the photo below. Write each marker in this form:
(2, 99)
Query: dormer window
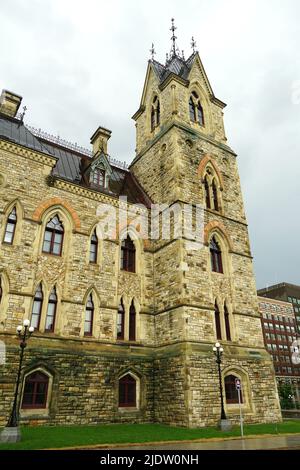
(155, 113)
(195, 109)
(97, 177)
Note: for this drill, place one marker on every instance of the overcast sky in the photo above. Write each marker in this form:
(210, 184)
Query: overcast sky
(80, 64)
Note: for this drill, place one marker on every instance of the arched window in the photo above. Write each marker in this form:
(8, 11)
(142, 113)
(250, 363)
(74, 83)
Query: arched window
(89, 317)
(192, 110)
(132, 322)
(158, 114)
(10, 227)
(51, 311)
(215, 195)
(215, 256)
(53, 238)
(97, 177)
(218, 321)
(94, 247)
(35, 390)
(227, 323)
(127, 391)
(195, 109)
(128, 255)
(231, 391)
(207, 193)
(200, 114)
(37, 308)
(155, 113)
(121, 321)
(152, 119)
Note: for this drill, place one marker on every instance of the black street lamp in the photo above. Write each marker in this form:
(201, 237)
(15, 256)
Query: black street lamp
(218, 351)
(11, 432)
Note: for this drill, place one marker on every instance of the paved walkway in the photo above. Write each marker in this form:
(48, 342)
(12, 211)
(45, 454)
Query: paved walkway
(257, 443)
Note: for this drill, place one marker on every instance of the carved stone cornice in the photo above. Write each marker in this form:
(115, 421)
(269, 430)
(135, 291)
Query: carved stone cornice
(28, 153)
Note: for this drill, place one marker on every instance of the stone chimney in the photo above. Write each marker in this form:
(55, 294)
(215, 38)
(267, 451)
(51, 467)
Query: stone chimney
(9, 103)
(99, 140)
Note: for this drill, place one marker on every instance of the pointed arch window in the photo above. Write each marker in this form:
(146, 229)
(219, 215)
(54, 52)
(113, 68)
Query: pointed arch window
(231, 391)
(215, 256)
(10, 228)
(94, 247)
(53, 237)
(227, 323)
(207, 193)
(195, 109)
(155, 113)
(51, 311)
(128, 255)
(218, 321)
(35, 390)
(121, 321)
(89, 316)
(132, 322)
(97, 177)
(37, 307)
(215, 195)
(127, 391)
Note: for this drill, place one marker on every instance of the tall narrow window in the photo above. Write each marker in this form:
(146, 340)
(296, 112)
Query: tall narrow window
(10, 227)
(94, 248)
(218, 322)
(195, 109)
(35, 390)
(51, 311)
(128, 255)
(127, 391)
(192, 110)
(200, 114)
(158, 114)
(121, 321)
(53, 238)
(152, 119)
(37, 308)
(97, 177)
(207, 193)
(132, 322)
(227, 323)
(215, 256)
(155, 113)
(1, 291)
(215, 195)
(231, 391)
(89, 316)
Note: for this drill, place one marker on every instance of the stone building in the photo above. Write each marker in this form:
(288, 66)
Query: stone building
(280, 335)
(125, 325)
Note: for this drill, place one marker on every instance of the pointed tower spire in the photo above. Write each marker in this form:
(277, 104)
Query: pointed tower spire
(173, 38)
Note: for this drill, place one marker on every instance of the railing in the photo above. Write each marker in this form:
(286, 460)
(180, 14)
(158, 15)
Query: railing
(69, 145)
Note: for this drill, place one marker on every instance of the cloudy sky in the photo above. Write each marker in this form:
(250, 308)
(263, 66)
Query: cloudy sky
(79, 64)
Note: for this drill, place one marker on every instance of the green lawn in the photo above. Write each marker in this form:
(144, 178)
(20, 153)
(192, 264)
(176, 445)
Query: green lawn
(68, 436)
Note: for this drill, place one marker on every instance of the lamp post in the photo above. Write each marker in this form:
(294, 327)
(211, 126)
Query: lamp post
(11, 432)
(224, 422)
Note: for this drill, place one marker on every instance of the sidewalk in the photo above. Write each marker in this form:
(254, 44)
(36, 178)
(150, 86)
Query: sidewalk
(255, 443)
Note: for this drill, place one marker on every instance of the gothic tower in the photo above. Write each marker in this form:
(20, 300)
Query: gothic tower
(205, 294)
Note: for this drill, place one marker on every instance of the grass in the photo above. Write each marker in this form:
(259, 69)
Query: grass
(68, 436)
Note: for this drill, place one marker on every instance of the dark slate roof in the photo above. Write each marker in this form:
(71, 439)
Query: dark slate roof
(14, 131)
(176, 65)
(122, 182)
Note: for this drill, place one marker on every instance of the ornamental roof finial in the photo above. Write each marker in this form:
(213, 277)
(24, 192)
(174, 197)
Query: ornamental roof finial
(173, 38)
(152, 52)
